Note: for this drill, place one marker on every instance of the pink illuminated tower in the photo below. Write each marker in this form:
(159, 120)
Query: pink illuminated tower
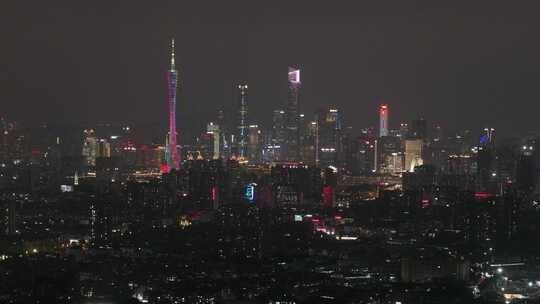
(171, 153)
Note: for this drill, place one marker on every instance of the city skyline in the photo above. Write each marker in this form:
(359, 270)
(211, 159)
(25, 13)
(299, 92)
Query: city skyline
(456, 92)
(245, 152)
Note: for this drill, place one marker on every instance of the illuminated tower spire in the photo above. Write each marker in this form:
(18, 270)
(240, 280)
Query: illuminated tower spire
(172, 156)
(172, 55)
(242, 121)
(383, 120)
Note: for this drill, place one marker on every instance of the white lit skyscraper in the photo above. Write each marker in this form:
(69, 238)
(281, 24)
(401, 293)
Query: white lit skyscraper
(243, 127)
(212, 128)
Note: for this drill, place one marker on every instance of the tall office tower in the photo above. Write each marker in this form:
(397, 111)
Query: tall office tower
(224, 141)
(278, 134)
(328, 136)
(403, 130)
(172, 156)
(418, 129)
(212, 128)
(306, 136)
(383, 120)
(90, 147)
(291, 114)
(390, 157)
(104, 148)
(254, 144)
(361, 156)
(413, 154)
(242, 125)
(334, 117)
(302, 131)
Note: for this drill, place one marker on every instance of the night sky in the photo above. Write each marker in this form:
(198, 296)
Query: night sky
(464, 65)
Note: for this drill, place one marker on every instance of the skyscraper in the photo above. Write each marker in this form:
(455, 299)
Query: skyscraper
(328, 136)
(254, 144)
(307, 130)
(413, 154)
(275, 139)
(212, 128)
(291, 114)
(390, 157)
(224, 141)
(172, 156)
(383, 120)
(418, 129)
(242, 126)
(90, 147)
(278, 127)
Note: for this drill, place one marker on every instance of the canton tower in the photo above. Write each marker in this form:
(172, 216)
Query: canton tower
(171, 152)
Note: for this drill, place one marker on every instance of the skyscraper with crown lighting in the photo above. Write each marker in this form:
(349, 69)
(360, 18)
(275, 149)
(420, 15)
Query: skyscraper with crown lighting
(383, 120)
(291, 114)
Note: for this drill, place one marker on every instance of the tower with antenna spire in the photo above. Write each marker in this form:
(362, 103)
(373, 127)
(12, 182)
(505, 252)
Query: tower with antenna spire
(171, 152)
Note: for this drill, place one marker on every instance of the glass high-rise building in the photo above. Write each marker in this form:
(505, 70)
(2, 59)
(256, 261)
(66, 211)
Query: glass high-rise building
(328, 136)
(383, 120)
(242, 125)
(254, 144)
(291, 114)
(418, 129)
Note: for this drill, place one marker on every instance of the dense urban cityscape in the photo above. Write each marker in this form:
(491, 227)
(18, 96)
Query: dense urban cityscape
(298, 208)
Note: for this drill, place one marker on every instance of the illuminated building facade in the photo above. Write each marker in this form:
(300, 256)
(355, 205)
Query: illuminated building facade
(254, 148)
(390, 157)
(307, 135)
(383, 120)
(90, 147)
(413, 154)
(243, 128)
(224, 140)
(328, 138)
(104, 148)
(213, 129)
(172, 156)
(291, 114)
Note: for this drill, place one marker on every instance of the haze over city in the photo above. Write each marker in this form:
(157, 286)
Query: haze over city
(280, 153)
(463, 64)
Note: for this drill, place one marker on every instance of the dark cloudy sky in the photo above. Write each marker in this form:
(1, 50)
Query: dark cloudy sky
(460, 63)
